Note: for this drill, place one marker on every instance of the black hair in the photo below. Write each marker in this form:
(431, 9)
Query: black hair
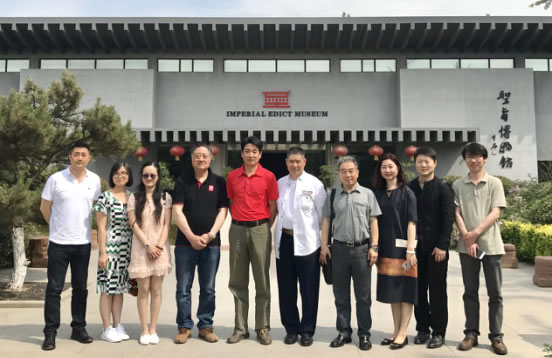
(427, 151)
(115, 168)
(80, 144)
(379, 180)
(475, 149)
(201, 144)
(296, 150)
(252, 140)
(140, 195)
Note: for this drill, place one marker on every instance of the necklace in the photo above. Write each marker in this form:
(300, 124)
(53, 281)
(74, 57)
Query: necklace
(389, 192)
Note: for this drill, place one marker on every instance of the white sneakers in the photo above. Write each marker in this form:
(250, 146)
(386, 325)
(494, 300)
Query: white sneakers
(122, 333)
(110, 335)
(114, 335)
(149, 339)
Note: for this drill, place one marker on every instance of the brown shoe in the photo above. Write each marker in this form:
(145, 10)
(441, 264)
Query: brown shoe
(237, 337)
(264, 337)
(208, 335)
(499, 347)
(182, 336)
(468, 343)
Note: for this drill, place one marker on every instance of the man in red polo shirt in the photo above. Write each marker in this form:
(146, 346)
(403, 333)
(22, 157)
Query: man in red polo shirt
(253, 192)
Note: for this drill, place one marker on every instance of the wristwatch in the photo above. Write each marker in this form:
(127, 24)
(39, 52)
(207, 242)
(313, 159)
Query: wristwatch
(375, 248)
(211, 236)
(147, 245)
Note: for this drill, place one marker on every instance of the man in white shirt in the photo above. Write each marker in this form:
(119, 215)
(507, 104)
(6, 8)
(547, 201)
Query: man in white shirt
(66, 205)
(297, 245)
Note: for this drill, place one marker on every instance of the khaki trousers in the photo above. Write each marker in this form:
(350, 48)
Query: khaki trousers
(250, 245)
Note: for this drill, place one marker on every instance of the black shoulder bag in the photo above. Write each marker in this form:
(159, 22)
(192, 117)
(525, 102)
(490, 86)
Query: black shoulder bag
(327, 267)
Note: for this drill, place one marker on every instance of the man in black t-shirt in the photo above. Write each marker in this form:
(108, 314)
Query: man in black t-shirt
(200, 205)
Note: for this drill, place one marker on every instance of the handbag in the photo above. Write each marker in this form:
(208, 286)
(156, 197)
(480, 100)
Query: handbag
(327, 267)
(133, 288)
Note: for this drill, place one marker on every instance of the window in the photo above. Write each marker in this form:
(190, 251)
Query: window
(368, 66)
(186, 66)
(474, 63)
(290, 65)
(2, 65)
(386, 65)
(350, 65)
(136, 64)
(445, 63)
(53, 64)
(203, 66)
(110, 64)
(317, 65)
(81, 64)
(168, 65)
(262, 66)
(235, 65)
(537, 64)
(501, 63)
(17, 65)
(421, 63)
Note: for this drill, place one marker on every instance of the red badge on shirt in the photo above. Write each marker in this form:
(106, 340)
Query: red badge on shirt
(211, 187)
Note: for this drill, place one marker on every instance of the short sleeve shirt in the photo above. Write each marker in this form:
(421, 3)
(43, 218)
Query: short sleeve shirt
(200, 204)
(71, 212)
(352, 213)
(250, 194)
(475, 203)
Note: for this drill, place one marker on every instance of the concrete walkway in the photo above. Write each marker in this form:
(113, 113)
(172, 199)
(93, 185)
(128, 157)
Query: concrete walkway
(527, 323)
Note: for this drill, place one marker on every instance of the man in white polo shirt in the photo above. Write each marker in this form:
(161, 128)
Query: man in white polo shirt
(66, 205)
(297, 246)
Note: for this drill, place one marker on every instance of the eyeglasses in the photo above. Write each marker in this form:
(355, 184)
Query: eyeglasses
(149, 176)
(120, 175)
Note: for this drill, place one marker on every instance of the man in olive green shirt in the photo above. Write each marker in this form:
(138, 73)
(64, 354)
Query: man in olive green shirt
(479, 198)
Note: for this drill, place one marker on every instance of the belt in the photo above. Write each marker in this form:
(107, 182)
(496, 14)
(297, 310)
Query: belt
(250, 223)
(353, 244)
(287, 231)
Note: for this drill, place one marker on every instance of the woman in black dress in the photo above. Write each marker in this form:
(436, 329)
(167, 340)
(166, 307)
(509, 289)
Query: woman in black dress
(397, 270)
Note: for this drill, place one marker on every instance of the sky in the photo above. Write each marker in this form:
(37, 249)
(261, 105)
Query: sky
(268, 8)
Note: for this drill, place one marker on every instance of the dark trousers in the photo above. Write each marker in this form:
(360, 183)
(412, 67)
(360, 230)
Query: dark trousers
(289, 269)
(352, 262)
(493, 280)
(431, 312)
(59, 258)
(207, 262)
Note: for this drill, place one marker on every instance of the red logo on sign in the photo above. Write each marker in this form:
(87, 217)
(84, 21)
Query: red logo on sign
(276, 99)
(211, 188)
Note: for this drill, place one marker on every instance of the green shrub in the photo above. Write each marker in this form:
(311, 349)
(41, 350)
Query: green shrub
(540, 210)
(530, 240)
(327, 175)
(507, 183)
(226, 171)
(451, 178)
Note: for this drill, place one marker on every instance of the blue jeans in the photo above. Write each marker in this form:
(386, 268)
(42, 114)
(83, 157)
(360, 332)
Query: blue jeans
(207, 262)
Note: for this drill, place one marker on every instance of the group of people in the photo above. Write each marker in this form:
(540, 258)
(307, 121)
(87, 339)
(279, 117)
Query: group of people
(402, 227)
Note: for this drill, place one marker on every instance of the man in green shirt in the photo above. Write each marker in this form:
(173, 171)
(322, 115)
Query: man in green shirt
(479, 198)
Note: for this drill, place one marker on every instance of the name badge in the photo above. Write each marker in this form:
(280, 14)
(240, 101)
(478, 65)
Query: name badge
(307, 192)
(211, 187)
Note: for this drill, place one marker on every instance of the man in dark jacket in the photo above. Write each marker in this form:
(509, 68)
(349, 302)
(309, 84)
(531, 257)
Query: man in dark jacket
(435, 217)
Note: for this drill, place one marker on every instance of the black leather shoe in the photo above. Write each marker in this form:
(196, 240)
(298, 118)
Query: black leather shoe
(49, 342)
(386, 342)
(396, 345)
(290, 339)
(340, 340)
(436, 341)
(421, 338)
(306, 339)
(80, 335)
(364, 343)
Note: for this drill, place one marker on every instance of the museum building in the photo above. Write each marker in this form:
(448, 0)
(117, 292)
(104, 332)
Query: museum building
(315, 82)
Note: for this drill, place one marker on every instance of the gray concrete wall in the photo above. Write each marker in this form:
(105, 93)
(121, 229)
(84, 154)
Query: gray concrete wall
(130, 91)
(8, 81)
(543, 114)
(468, 98)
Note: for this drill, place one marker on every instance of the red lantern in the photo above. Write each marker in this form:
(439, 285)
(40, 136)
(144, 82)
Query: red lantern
(376, 151)
(340, 150)
(177, 151)
(141, 152)
(214, 150)
(409, 151)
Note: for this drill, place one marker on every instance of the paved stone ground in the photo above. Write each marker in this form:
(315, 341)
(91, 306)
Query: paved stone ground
(527, 323)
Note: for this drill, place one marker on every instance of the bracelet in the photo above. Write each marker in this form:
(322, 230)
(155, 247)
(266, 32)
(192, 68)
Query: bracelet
(411, 252)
